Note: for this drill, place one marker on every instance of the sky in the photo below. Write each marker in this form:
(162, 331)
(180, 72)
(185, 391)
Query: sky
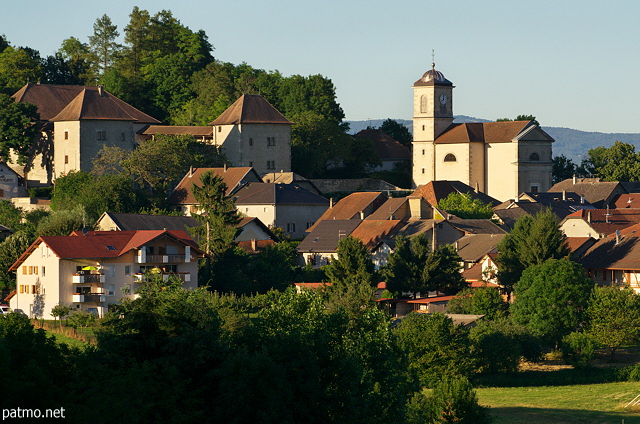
(570, 63)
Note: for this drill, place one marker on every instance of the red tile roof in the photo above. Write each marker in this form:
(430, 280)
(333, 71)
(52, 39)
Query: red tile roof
(251, 109)
(626, 201)
(255, 246)
(351, 206)
(102, 244)
(371, 232)
(607, 221)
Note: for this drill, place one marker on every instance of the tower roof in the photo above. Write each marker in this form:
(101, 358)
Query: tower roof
(251, 109)
(433, 77)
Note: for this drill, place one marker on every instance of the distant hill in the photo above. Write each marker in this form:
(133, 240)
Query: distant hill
(574, 144)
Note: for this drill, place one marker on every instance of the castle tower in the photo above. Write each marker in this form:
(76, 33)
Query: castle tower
(432, 114)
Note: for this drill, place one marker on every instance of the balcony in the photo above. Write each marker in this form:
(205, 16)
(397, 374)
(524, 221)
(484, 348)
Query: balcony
(89, 298)
(88, 278)
(185, 277)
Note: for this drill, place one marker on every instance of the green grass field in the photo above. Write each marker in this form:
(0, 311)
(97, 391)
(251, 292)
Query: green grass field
(591, 403)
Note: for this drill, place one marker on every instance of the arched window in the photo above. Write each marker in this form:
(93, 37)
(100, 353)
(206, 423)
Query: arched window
(450, 157)
(424, 104)
(534, 156)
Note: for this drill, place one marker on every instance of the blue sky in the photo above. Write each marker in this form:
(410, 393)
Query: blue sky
(570, 63)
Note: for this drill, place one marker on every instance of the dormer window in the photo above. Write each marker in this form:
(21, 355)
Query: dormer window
(534, 157)
(450, 157)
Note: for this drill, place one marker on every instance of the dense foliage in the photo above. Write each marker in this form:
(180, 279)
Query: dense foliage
(464, 206)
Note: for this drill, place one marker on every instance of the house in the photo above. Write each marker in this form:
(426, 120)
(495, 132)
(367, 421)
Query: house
(598, 193)
(89, 271)
(234, 178)
(614, 261)
(319, 247)
(598, 223)
(290, 178)
(78, 121)
(626, 201)
(11, 184)
(405, 208)
(251, 132)
(475, 226)
(434, 191)
(474, 247)
(354, 206)
(287, 206)
(254, 229)
(501, 159)
(393, 155)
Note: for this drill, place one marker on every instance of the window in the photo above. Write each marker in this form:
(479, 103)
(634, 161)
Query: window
(450, 157)
(66, 159)
(109, 247)
(424, 104)
(535, 188)
(423, 170)
(219, 129)
(534, 157)
(271, 164)
(423, 128)
(112, 270)
(271, 141)
(101, 134)
(251, 164)
(66, 135)
(291, 227)
(127, 270)
(34, 289)
(30, 270)
(250, 141)
(112, 290)
(309, 225)
(21, 288)
(43, 271)
(122, 136)
(24, 270)
(422, 152)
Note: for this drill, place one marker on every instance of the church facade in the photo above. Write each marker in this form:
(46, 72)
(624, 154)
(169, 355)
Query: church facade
(501, 159)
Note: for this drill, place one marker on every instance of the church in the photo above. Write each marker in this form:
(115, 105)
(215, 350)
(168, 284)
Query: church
(501, 159)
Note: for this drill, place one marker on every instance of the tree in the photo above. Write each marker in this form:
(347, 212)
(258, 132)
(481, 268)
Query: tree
(404, 269)
(521, 118)
(60, 311)
(550, 299)
(533, 240)
(479, 301)
(80, 61)
(619, 162)
(397, 131)
(464, 206)
(103, 43)
(353, 264)
(217, 215)
(435, 347)
(17, 67)
(10, 250)
(62, 222)
(614, 317)
(17, 128)
(443, 270)
(563, 168)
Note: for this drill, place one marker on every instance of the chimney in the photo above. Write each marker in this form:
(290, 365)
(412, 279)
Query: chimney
(582, 200)
(254, 245)
(331, 203)
(361, 214)
(433, 237)
(225, 167)
(457, 246)
(589, 217)
(190, 171)
(477, 187)
(617, 237)
(564, 195)
(575, 180)
(101, 91)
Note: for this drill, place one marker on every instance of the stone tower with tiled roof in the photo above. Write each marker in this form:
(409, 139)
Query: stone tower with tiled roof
(251, 132)
(500, 159)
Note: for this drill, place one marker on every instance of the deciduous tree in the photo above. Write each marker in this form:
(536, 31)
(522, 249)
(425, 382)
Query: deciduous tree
(17, 128)
(464, 206)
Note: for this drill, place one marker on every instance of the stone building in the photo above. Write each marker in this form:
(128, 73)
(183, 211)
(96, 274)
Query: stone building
(251, 132)
(501, 159)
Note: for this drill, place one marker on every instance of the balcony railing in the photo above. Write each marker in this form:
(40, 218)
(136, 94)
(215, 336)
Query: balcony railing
(161, 259)
(89, 298)
(88, 278)
(185, 277)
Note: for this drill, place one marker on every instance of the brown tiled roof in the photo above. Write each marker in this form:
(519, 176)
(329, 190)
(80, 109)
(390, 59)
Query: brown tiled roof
(370, 232)
(434, 191)
(593, 190)
(578, 245)
(251, 109)
(326, 235)
(388, 209)
(474, 273)
(74, 102)
(606, 254)
(351, 206)
(472, 247)
(277, 194)
(385, 146)
(196, 131)
(483, 132)
(617, 219)
(234, 178)
(94, 243)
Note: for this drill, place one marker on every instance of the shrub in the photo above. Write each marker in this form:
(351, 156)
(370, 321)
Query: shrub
(453, 401)
(81, 319)
(578, 349)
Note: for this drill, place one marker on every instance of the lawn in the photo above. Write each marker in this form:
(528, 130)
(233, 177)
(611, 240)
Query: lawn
(590, 403)
(61, 338)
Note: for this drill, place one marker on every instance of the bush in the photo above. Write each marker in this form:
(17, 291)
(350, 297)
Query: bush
(81, 319)
(578, 349)
(453, 401)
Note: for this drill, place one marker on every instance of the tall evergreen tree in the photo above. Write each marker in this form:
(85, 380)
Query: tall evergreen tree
(103, 43)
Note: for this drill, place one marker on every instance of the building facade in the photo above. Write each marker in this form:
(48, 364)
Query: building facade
(501, 159)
